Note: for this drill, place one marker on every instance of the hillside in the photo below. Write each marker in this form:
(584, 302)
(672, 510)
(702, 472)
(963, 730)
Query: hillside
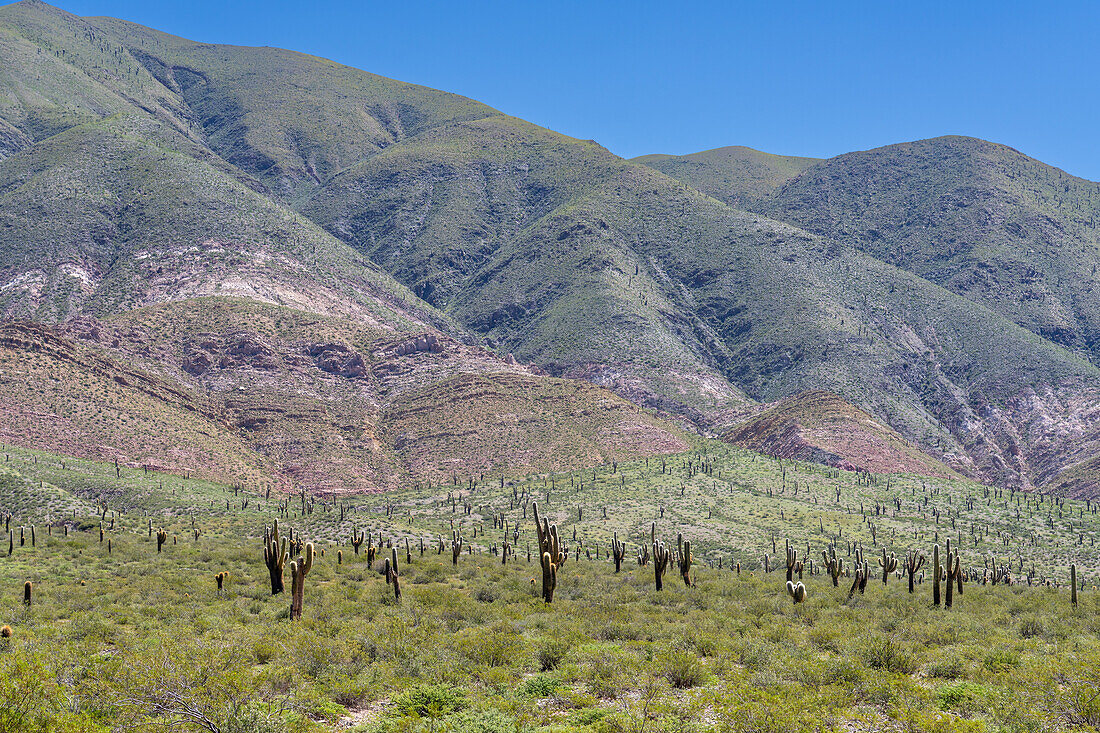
(982, 220)
(278, 398)
(821, 427)
(738, 176)
(145, 169)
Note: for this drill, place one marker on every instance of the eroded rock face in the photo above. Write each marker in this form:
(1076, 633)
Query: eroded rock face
(229, 351)
(338, 359)
(424, 342)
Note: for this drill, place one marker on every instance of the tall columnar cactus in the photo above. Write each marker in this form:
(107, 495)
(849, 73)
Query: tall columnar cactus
(661, 556)
(888, 563)
(618, 552)
(1073, 585)
(275, 555)
(796, 591)
(794, 565)
(162, 537)
(952, 573)
(913, 563)
(392, 574)
(552, 552)
(28, 591)
(456, 546)
(356, 539)
(684, 559)
(833, 565)
(299, 569)
(937, 570)
(220, 580)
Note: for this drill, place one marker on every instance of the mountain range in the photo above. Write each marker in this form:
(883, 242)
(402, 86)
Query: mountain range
(264, 266)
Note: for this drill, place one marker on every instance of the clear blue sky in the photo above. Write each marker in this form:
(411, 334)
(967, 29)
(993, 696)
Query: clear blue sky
(800, 78)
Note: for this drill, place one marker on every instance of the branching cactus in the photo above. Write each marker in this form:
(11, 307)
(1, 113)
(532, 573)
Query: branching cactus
(913, 563)
(552, 552)
(661, 556)
(643, 555)
(275, 555)
(794, 565)
(356, 539)
(888, 563)
(859, 579)
(618, 552)
(220, 580)
(162, 537)
(796, 591)
(456, 546)
(684, 559)
(833, 565)
(299, 569)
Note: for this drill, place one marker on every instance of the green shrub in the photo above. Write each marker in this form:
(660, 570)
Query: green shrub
(429, 701)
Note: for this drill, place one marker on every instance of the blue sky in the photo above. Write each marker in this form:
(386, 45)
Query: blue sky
(798, 78)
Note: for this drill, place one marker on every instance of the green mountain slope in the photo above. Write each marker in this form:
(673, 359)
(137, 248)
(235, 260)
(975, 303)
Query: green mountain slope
(738, 176)
(147, 169)
(980, 219)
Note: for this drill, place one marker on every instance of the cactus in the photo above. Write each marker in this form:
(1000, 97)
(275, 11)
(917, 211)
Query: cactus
(356, 539)
(370, 555)
(661, 556)
(1073, 585)
(794, 565)
(859, 580)
(220, 580)
(28, 591)
(275, 555)
(618, 551)
(162, 537)
(392, 574)
(888, 563)
(339, 557)
(684, 559)
(797, 591)
(937, 569)
(456, 546)
(299, 569)
(952, 573)
(833, 564)
(551, 550)
(913, 563)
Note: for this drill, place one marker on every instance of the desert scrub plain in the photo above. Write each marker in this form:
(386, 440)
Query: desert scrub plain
(121, 634)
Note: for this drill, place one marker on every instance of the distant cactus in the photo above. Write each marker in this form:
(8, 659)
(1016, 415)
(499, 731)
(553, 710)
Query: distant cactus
(356, 539)
(220, 579)
(796, 591)
(162, 537)
(299, 569)
(952, 573)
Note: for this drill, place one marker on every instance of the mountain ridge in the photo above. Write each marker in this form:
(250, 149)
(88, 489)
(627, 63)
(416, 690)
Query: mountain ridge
(360, 197)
